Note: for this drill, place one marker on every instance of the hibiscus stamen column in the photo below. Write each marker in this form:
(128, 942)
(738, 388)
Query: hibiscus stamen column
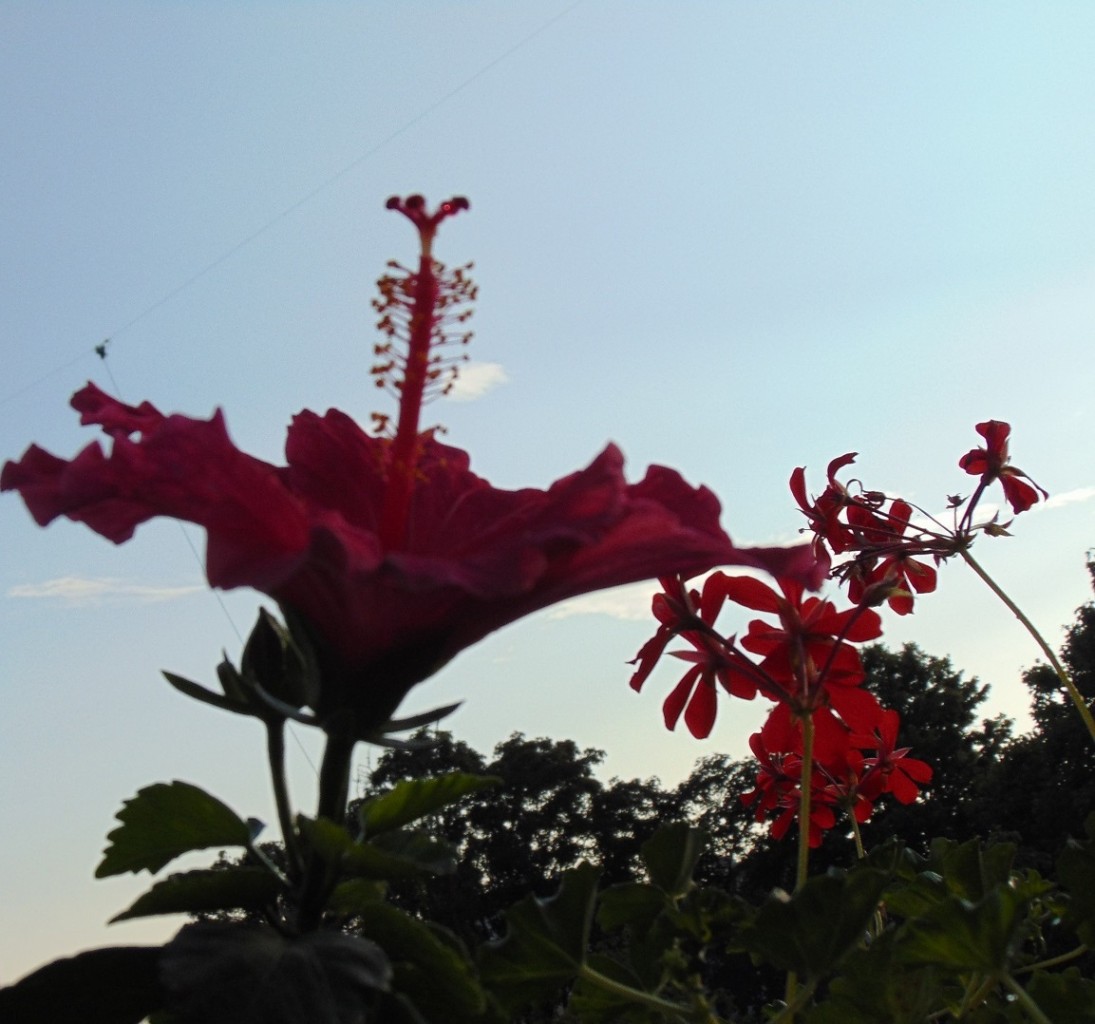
(415, 308)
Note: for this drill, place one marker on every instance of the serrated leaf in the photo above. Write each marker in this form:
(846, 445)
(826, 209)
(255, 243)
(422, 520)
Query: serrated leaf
(216, 973)
(193, 892)
(392, 855)
(811, 931)
(545, 941)
(412, 799)
(164, 821)
(670, 856)
(116, 985)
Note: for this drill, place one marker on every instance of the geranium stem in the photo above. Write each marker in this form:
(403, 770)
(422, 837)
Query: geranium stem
(1051, 657)
(1032, 1008)
(634, 995)
(803, 866)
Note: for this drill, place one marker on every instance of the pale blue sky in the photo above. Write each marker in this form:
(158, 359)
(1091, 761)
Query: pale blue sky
(733, 237)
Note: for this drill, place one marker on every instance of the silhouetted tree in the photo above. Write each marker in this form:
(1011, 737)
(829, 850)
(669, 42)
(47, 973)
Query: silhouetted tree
(1056, 760)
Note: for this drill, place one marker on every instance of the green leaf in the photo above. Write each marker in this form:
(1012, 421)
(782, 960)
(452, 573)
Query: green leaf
(545, 942)
(355, 895)
(966, 936)
(415, 798)
(398, 854)
(810, 932)
(429, 965)
(165, 820)
(670, 856)
(1065, 998)
(1076, 871)
(595, 1004)
(216, 973)
(235, 888)
(116, 985)
(633, 905)
(970, 869)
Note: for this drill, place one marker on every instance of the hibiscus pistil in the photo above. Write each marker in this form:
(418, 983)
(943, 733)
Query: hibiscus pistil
(416, 308)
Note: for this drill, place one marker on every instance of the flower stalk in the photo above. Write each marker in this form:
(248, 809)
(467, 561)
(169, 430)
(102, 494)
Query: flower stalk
(1051, 657)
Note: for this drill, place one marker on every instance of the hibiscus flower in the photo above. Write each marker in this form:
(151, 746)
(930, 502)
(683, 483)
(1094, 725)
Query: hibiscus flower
(395, 554)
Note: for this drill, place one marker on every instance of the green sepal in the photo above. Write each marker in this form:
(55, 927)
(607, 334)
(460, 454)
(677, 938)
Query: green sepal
(811, 931)
(393, 855)
(412, 799)
(670, 856)
(199, 692)
(545, 942)
(116, 985)
(221, 973)
(193, 892)
(164, 821)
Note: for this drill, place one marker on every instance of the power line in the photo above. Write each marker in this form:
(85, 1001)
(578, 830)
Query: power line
(100, 349)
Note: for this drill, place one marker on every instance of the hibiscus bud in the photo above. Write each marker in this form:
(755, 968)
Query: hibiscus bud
(275, 661)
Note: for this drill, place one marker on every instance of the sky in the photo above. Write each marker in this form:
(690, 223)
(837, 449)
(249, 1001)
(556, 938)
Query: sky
(732, 237)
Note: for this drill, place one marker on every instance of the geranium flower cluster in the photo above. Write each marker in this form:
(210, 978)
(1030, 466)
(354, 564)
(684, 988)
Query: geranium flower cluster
(826, 732)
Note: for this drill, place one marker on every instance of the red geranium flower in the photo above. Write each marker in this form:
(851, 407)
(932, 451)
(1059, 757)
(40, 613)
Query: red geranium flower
(891, 770)
(392, 550)
(992, 462)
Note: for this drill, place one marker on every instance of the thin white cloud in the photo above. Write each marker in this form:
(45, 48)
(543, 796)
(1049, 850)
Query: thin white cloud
(77, 590)
(630, 603)
(1072, 497)
(474, 380)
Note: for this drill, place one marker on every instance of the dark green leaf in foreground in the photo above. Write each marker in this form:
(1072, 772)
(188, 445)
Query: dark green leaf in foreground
(428, 963)
(966, 936)
(192, 892)
(1065, 998)
(545, 942)
(810, 932)
(117, 985)
(164, 821)
(217, 973)
(392, 855)
(415, 798)
(596, 1004)
(1076, 870)
(670, 856)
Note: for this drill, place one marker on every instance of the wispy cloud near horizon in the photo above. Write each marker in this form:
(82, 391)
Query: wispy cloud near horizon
(1073, 497)
(77, 590)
